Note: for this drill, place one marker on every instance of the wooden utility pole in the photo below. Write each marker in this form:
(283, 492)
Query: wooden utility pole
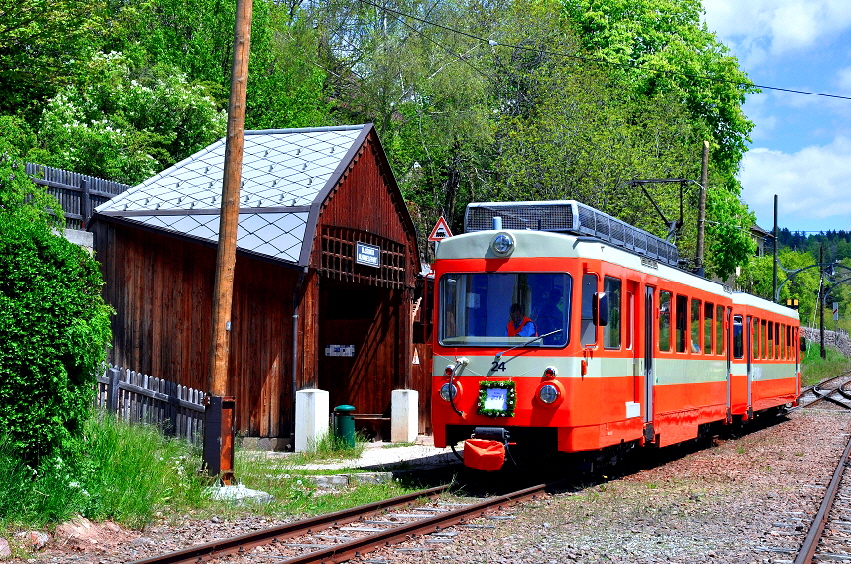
(820, 305)
(219, 420)
(774, 277)
(701, 208)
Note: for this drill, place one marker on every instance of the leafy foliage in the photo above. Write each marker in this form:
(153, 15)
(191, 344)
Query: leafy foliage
(54, 325)
(125, 124)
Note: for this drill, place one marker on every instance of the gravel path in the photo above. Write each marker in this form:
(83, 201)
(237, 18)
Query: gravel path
(736, 501)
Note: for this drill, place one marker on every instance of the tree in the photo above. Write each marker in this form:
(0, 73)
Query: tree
(662, 46)
(125, 123)
(39, 45)
(54, 325)
(196, 36)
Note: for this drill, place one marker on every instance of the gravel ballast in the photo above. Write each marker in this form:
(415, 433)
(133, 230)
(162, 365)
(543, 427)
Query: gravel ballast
(748, 499)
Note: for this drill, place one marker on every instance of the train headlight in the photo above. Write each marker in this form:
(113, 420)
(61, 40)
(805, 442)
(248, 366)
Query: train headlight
(448, 391)
(502, 244)
(548, 393)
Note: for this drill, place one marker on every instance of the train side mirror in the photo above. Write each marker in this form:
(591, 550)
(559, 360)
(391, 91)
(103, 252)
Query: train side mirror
(803, 343)
(600, 309)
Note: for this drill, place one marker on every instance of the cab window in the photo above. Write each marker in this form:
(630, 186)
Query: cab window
(665, 321)
(588, 330)
(612, 331)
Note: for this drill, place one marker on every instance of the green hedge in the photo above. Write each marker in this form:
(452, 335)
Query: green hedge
(54, 325)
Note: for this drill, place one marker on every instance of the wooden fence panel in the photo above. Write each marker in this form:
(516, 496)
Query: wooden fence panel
(78, 194)
(140, 398)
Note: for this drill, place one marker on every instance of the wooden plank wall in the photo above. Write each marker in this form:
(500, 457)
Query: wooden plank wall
(161, 289)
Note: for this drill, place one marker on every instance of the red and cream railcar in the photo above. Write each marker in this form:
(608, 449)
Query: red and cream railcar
(573, 331)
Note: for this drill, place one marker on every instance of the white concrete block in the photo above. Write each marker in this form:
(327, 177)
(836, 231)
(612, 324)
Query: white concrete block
(404, 416)
(311, 418)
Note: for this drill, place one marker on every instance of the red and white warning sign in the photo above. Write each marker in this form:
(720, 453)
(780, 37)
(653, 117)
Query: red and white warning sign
(441, 231)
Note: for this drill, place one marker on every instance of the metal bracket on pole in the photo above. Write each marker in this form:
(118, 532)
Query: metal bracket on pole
(218, 438)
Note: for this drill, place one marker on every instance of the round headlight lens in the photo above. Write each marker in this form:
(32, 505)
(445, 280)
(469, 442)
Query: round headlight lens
(448, 391)
(548, 393)
(502, 244)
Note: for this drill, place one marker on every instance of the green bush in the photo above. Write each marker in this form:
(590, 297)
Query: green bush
(54, 324)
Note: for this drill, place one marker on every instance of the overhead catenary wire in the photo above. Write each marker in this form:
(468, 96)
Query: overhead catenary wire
(494, 43)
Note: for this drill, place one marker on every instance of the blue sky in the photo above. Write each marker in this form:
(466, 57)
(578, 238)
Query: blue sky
(801, 145)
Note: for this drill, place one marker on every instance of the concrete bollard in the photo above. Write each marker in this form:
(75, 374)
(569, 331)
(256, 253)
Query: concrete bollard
(404, 416)
(311, 418)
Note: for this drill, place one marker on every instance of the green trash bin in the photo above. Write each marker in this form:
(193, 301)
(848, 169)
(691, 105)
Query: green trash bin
(344, 425)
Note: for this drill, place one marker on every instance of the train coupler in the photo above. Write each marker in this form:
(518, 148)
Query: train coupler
(486, 449)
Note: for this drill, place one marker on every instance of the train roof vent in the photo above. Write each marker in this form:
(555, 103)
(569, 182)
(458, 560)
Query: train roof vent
(570, 216)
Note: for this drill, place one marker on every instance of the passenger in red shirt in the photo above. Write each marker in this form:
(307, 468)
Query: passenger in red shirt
(519, 325)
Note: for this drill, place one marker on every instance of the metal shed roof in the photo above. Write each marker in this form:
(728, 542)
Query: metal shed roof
(284, 172)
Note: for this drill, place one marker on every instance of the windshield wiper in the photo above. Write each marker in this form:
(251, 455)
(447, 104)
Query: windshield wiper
(527, 343)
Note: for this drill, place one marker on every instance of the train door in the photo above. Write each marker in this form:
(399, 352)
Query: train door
(648, 363)
(728, 337)
(749, 354)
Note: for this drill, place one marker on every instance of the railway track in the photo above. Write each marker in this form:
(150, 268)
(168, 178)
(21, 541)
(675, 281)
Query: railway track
(833, 516)
(835, 391)
(351, 533)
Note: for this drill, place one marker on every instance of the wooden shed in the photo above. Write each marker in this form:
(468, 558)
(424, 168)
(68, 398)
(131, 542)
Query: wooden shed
(326, 269)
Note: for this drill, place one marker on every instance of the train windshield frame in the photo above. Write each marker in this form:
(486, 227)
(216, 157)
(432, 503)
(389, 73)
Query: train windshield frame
(498, 309)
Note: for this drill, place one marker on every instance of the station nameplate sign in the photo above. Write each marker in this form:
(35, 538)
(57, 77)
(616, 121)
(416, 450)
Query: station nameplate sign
(368, 255)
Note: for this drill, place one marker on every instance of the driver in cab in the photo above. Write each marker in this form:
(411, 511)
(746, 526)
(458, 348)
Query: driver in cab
(518, 324)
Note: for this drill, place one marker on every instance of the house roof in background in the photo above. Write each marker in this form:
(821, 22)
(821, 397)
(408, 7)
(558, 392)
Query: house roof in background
(286, 173)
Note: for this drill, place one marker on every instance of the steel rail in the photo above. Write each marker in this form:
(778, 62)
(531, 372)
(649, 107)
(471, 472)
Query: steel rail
(810, 544)
(244, 542)
(355, 548)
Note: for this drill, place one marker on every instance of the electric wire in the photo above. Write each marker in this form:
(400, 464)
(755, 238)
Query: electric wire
(598, 61)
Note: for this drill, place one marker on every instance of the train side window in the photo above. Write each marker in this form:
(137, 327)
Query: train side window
(612, 331)
(764, 339)
(771, 339)
(588, 331)
(682, 322)
(783, 341)
(777, 340)
(665, 321)
(708, 310)
(789, 342)
(738, 337)
(695, 326)
(719, 329)
(755, 337)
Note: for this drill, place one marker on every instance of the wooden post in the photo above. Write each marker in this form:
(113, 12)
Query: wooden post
(85, 202)
(112, 390)
(701, 209)
(226, 257)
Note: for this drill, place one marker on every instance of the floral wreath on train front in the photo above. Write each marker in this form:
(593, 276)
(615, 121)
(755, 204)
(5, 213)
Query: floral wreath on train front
(510, 400)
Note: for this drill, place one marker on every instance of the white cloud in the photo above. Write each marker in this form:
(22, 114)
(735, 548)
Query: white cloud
(813, 185)
(843, 80)
(752, 28)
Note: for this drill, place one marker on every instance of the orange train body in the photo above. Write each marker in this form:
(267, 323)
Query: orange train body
(636, 351)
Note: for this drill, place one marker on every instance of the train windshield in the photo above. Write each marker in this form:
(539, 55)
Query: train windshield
(497, 309)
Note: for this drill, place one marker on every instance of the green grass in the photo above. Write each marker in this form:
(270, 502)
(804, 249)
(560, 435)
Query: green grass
(814, 369)
(132, 475)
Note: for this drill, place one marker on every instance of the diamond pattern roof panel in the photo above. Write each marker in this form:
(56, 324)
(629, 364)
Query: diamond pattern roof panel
(276, 235)
(281, 168)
